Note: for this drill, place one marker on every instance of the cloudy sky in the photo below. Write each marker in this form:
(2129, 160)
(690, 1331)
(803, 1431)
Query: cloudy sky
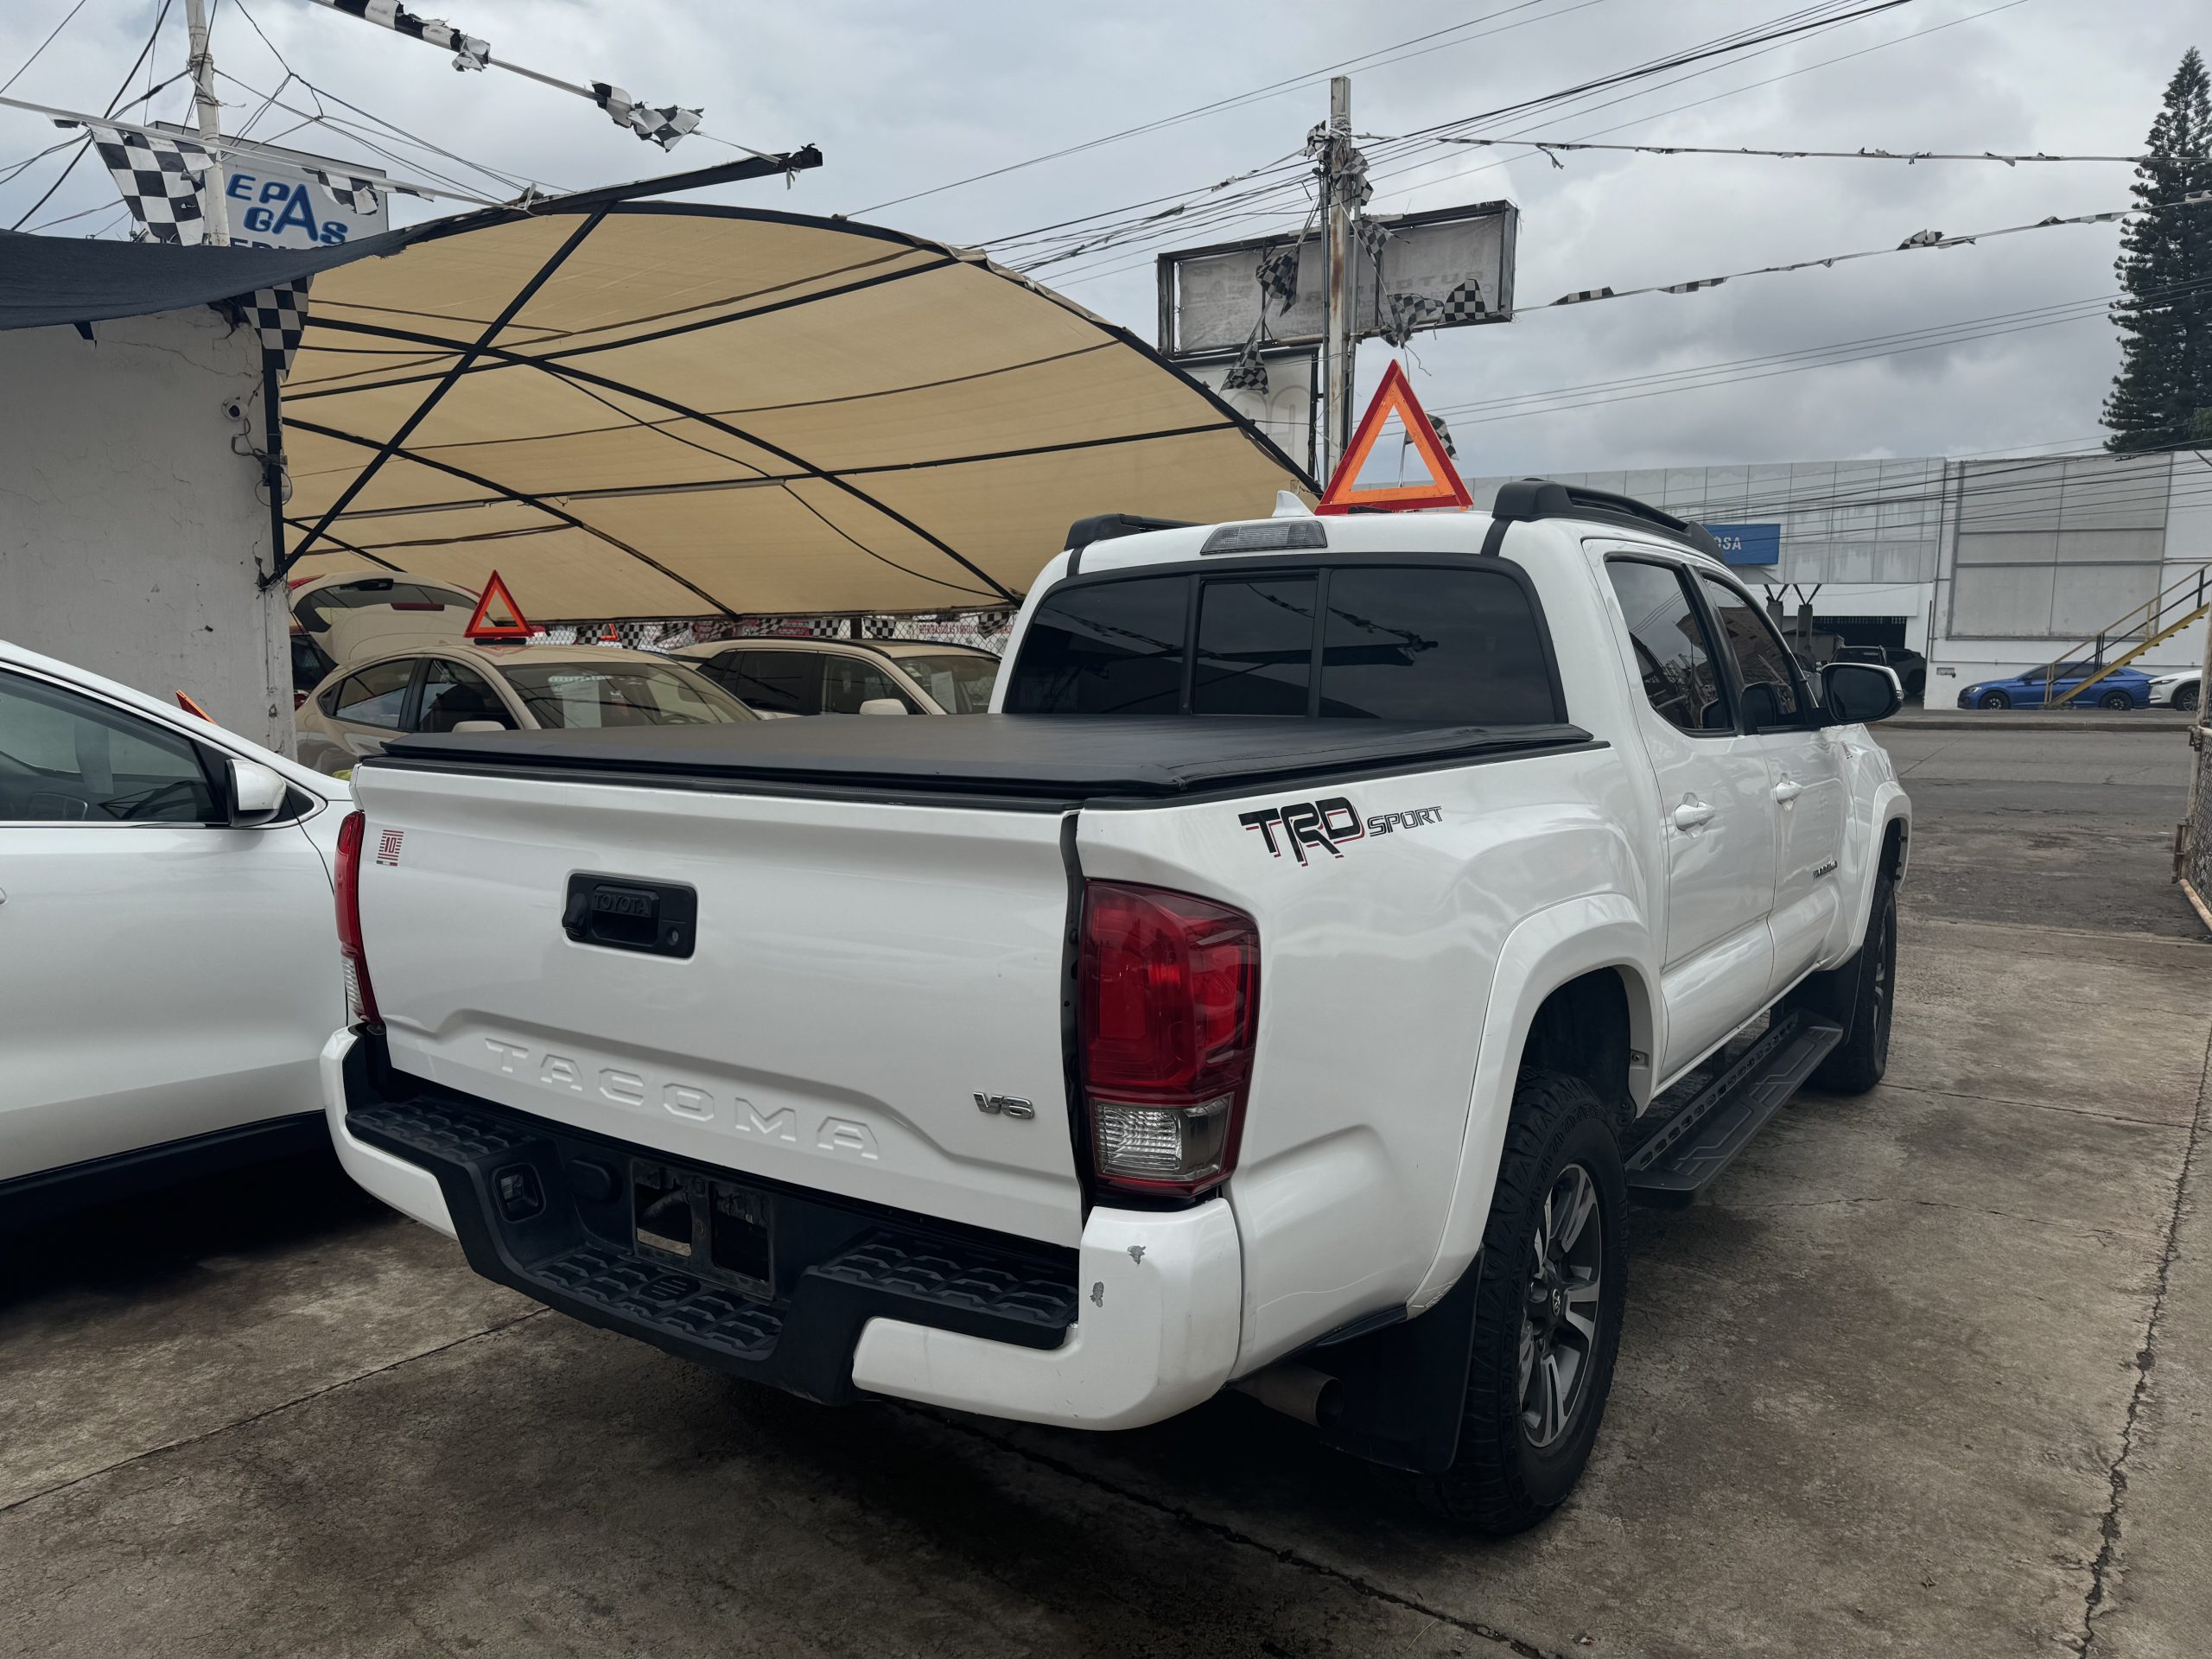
(904, 97)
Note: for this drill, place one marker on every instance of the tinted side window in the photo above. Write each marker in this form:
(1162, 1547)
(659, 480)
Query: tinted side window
(848, 682)
(453, 693)
(1762, 661)
(1114, 648)
(1673, 654)
(374, 697)
(780, 682)
(1255, 646)
(1433, 645)
(72, 760)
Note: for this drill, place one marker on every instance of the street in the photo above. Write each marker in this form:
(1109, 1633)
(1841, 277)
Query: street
(1923, 1373)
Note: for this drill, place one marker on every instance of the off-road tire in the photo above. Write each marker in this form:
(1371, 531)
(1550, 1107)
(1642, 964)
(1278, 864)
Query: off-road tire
(1856, 1064)
(1501, 1482)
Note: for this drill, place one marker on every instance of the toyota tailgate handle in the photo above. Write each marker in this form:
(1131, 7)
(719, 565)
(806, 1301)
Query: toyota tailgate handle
(657, 918)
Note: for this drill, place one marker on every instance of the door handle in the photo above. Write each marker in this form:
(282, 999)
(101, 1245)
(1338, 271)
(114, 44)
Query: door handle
(1787, 789)
(1692, 814)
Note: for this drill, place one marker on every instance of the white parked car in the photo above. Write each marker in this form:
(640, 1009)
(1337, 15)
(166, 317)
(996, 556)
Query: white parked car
(1285, 988)
(444, 683)
(166, 926)
(850, 676)
(2183, 689)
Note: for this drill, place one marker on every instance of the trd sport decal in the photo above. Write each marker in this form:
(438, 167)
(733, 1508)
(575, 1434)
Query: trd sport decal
(1330, 825)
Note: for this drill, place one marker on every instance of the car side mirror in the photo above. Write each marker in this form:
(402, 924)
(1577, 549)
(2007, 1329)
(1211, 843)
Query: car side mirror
(461, 727)
(1861, 693)
(256, 793)
(883, 706)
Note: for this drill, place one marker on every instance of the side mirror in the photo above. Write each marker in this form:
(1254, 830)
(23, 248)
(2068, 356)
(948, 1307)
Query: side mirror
(1861, 693)
(461, 727)
(256, 793)
(883, 706)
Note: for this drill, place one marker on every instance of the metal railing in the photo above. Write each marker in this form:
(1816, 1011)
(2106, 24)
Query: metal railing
(2156, 620)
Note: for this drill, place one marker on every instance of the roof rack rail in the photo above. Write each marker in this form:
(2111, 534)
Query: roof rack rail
(1543, 498)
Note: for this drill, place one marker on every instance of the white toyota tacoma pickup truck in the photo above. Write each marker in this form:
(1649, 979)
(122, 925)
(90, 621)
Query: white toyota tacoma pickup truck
(1285, 987)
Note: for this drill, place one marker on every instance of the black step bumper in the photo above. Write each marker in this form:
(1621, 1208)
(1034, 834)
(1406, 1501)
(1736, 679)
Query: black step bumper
(550, 1211)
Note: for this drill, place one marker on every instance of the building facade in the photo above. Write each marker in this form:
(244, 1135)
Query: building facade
(1987, 567)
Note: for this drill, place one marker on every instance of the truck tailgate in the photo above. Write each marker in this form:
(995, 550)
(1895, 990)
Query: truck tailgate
(869, 992)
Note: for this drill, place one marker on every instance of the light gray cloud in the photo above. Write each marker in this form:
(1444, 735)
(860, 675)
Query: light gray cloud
(903, 97)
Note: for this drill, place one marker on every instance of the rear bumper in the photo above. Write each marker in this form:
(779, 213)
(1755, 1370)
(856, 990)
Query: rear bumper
(1138, 1323)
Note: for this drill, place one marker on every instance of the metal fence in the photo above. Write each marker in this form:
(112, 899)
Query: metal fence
(2193, 837)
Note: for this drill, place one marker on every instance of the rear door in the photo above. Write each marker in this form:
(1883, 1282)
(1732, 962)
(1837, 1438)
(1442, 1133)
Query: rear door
(365, 709)
(1715, 810)
(773, 681)
(162, 975)
(1804, 777)
(850, 680)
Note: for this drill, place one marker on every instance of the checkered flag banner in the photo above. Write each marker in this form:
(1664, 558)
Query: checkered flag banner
(1248, 373)
(469, 52)
(1443, 436)
(160, 178)
(1405, 313)
(664, 127)
(1463, 304)
(1278, 273)
(280, 317)
(359, 195)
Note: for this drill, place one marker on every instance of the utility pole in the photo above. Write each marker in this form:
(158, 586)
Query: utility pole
(215, 200)
(1337, 208)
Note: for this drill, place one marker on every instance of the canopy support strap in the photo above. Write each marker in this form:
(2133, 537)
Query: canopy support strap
(566, 370)
(559, 514)
(446, 382)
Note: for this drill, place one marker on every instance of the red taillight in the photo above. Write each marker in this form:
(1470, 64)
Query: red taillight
(1170, 1004)
(360, 996)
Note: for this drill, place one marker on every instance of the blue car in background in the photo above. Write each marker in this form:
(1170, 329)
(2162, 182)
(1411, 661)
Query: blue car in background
(2037, 688)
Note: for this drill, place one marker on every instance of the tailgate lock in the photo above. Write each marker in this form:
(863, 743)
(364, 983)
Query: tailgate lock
(654, 917)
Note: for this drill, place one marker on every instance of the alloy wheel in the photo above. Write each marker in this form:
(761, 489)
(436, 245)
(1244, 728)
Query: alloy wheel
(1559, 1318)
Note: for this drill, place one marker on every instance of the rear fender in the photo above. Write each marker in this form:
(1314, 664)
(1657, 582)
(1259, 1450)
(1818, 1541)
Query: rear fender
(1543, 952)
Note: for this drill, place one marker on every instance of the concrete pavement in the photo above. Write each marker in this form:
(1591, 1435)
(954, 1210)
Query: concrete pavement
(1927, 1371)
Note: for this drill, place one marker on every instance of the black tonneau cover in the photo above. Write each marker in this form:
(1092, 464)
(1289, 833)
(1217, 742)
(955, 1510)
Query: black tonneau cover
(1034, 757)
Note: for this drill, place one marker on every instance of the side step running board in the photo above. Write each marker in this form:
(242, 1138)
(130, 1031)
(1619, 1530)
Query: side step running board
(1674, 1165)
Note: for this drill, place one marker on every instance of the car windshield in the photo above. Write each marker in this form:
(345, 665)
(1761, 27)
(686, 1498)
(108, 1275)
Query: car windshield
(956, 682)
(581, 695)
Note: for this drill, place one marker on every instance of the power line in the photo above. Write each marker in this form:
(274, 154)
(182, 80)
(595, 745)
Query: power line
(1095, 274)
(1545, 146)
(1821, 16)
(1272, 89)
(42, 45)
(144, 57)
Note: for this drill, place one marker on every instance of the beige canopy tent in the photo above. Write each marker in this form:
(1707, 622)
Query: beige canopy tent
(634, 408)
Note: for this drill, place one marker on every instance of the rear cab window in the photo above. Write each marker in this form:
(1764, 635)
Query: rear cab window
(1426, 639)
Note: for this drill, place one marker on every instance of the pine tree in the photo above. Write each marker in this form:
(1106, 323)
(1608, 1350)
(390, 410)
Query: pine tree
(2163, 393)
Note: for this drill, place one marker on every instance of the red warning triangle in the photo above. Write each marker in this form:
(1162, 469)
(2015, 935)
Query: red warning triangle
(1397, 476)
(489, 633)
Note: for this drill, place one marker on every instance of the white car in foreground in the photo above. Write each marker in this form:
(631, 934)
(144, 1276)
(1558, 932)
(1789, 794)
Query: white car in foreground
(166, 928)
(2182, 689)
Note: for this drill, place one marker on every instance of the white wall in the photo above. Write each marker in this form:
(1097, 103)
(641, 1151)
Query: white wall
(130, 536)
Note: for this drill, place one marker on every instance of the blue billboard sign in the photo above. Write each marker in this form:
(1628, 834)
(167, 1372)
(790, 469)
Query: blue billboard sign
(1749, 544)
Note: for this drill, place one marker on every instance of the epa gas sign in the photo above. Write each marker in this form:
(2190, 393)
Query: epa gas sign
(273, 205)
(276, 198)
